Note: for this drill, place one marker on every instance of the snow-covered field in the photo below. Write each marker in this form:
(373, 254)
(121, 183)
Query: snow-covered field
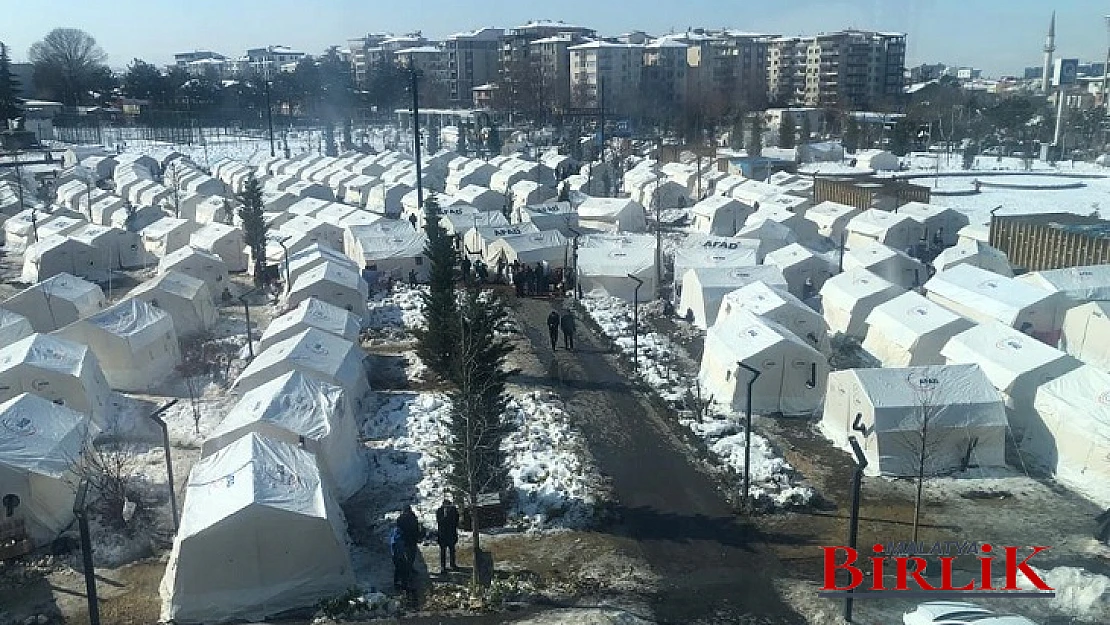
(772, 478)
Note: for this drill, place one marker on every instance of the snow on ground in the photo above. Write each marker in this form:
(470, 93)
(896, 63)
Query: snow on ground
(400, 309)
(771, 476)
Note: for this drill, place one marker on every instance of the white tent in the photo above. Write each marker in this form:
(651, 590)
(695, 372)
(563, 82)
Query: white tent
(886, 262)
(703, 289)
(42, 441)
(334, 212)
(612, 215)
(1070, 432)
(398, 255)
(317, 231)
(134, 342)
(57, 301)
(952, 407)
(356, 191)
(61, 371)
(910, 330)
(791, 373)
(975, 253)
(210, 209)
(604, 271)
(847, 299)
(878, 160)
(481, 198)
(549, 247)
(314, 352)
(118, 248)
(478, 238)
(307, 189)
(530, 192)
(314, 255)
(709, 251)
(831, 219)
(56, 254)
(167, 235)
(200, 265)
(504, 178)
(223, 241)
(1077, 284)
(1086, 333)
(1016, 364)
(312, 313)
(719, 215)
(474, 173)
(805, 272)
(333, 283)
(139, 218)
(975, 232)
(456, 224)
(982, 296)
(937, 221)
(19, 229)
(555, 216)
(896, 230)
(385, 198)
(187, 300)
(772, 235)
(779, 306)
(307, 207)
(105, 208)
(260, 534)
(297, 408)
(662, 194)
(13, 327)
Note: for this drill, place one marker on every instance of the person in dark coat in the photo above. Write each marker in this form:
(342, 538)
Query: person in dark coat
(464, 264)
(411, 533)
(553, 329)
(518, 282)
(401, 568)
(447, 527)
(567, 323)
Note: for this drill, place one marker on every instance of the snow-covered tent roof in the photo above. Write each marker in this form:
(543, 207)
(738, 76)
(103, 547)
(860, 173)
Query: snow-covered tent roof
(831, 219)
(317, 231)
(948, 221)
(260, 534)
(373, 246)
(334, 283)
(975, 232)
(481, 198)
(704, 288)
(13, 327)
(965, 414)
(546, 246)
(772, 235)
(315, 352)
(886, 262)
(56, 369)
(804, 270)
(478, 238)
(710, 251)
(719, 215)
(313, 255)
(1016, 364)
(847, 299)
(975, 253)
(530, 192)
(307, 207)
(134, 342)
(199, 264)
(61, 225)
(1078, 284)
(982, 296)
(910, 330)
(296, 407)
(334, 212)
(187, 300)
(894, 229)
(557, 215)
(222, 241)
(792, 373)
(612, 215)
(779, 306)
(605, 270)
(457, 223)
(56, 302)
(312, 313)
(55, 254)
(1085, 335)
(43, 440)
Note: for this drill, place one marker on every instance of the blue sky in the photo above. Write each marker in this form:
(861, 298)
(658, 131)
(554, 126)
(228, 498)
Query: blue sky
(998, 36)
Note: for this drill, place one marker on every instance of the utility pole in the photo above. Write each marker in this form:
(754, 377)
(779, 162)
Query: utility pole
(415, 82)
(270, 115)
(601, 114)
(658, 240)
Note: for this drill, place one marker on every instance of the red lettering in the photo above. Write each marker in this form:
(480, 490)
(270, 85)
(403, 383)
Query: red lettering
(877, 569)
(986, 578)
(946, 576)
(855, 575)
(901, 581)
(1013, 566)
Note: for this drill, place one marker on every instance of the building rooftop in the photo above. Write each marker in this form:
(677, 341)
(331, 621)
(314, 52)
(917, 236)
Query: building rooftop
(419, 50)
(604, 44)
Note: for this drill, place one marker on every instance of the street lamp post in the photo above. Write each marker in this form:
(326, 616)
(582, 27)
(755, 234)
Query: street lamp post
(247, 313)
(853, 525)
(270, 116)
(81, 513)
(415, 82)
(745, 501)
(636, 321)
(285, 253)
(157, 418)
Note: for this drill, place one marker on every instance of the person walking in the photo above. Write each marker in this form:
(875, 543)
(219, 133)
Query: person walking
(553, 329)
(447, 529)
(567, 323)
(411, 533)
(464, 265)
(401, 569)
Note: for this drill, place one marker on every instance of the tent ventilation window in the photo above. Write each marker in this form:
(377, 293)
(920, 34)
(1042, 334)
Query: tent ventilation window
(812, 381)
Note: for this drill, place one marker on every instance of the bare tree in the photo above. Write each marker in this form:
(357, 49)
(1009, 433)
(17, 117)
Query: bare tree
(112, 469)
(67, 64)
(195, 368)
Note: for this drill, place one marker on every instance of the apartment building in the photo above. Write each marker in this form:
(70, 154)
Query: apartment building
(727, 63)
(606, 70)
(362, 53)
(472, 59)
(271, 59)
(549, 58)
(665, 72)
(849, 68)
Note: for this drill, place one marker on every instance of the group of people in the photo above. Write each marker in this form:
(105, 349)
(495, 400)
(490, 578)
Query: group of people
(564, 322)
(404, 542)
(529, 280)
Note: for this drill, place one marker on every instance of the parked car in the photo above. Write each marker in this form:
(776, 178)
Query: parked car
(959, 613)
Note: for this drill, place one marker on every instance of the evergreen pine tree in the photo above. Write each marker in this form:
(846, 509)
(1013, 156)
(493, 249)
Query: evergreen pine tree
(970, 151)
(460, 146)
(736, 135)
(786, 131)
(9, 85)
(493, 143)
(756, 147)
(476, 423)
(254, 225)
(851, 135)
(807, 129)
(436, 341)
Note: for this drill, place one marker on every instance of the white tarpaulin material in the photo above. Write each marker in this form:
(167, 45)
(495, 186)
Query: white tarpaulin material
(605, 270)
(333, 283)
(805, 272)
(56, 254)
(61, 371)
(981, 295)
(134, 343)
(13, 327)
(477, 239)
(199, 264)
(612, 215)
(779, 306)
(847, 299)
(115, 248)
(314, 352)
(316, 231)
(313, 256)
(890, 264)
(940, 224)
(1016, 364)
(186, 299)
(975, 253)
(1086, 334)
(960, 413)
(703, 289)
(40, 445)
(398, 254)
(56, 302)
(1078, 284)
(223, 241)
(772, 235)
(898, 231)
(457, 223)
(555, 216)
(791, 373)
(910, 330)
(1070, 432)
(537, 247)
(260, 534)
(167, 235)
(700, 251)
(294, 406)
(312, 313)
